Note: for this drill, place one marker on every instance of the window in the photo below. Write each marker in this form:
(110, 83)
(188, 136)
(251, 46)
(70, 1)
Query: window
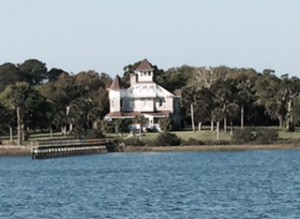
(160, 102)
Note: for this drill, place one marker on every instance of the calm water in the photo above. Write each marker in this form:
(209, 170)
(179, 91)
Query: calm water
(258, 184)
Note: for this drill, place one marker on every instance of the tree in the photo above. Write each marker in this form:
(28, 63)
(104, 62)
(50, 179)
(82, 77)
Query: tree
(79, 111)
(217, 116)
(8, 120)
(277, 95)
(291, 88)
(92, 87)
(54, 74)
(61, 93)
(34, 71)
(204, 106)
(9, 75)
(245, 95)
(175, 78)
(75, 96)
(6, 117)
(19, 97)
(206, 77)
(106, 79)
(140, 120)
(223, 96)
(189, 99)
(166, 123)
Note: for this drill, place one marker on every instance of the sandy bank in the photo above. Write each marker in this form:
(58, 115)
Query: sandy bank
(12, 150)
(213, 148)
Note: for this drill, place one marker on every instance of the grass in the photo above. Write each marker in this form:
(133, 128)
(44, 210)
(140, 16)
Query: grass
(289, 135)
(207, 135)
(204, 135)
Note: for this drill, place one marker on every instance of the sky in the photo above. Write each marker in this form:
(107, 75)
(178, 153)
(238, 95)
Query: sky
(106, 35)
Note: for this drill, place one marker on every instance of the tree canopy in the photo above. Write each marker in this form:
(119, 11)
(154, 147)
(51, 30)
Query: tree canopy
(35, 98)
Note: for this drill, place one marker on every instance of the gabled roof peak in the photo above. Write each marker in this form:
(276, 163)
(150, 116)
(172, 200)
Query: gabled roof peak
(116, 84)
(145, 66)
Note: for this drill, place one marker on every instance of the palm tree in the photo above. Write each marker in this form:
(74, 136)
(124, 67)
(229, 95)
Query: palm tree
(140, 120)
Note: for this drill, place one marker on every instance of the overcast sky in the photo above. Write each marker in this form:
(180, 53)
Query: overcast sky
(106, 35)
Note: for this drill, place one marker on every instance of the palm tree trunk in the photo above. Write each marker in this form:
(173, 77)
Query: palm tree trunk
(280, 121)
(95, 125)
(242, 117)
(140, 130)
(51, 131)
(23, 132)
(211, 125)
(218, 130)
(192, 117)
(19, 126)
(88, 121)
(10, 134)
(225, 124)
(231, 128)
(289, 116)
(64, 130)
(70, 127)
(199, 126)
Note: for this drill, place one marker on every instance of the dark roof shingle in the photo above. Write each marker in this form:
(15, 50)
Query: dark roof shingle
(116, 84)
(145, 66)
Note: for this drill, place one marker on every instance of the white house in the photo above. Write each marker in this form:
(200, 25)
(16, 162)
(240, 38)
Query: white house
(143, 97)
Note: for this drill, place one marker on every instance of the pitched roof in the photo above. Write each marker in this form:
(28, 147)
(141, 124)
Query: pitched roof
(144, 66)
(116, 84)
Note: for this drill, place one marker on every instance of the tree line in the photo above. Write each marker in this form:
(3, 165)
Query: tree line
(33, 98)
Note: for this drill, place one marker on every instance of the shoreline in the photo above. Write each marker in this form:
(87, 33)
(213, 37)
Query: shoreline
(12, 150)
(206, 148)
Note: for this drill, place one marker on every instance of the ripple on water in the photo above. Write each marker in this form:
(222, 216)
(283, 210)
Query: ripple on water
(257, 184)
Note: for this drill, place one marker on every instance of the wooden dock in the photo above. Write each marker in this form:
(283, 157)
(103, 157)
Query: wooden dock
(73, 147)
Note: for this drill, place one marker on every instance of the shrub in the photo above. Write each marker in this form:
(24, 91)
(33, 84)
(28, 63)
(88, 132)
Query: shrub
(267, 136)
(222, 142)
(133, 142)
(215, 142)
(107, 127)
(167, 139)
(151, 143)
(94, 133)
(121, 125)
(166, 124)
(192, 141)
(242, 136)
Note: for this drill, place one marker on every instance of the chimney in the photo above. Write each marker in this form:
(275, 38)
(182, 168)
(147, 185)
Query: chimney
(132, 79)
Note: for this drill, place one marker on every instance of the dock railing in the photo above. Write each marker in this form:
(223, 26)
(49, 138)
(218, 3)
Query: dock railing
(73, 147)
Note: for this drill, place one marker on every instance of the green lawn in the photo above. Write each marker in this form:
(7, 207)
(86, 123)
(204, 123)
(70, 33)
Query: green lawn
(185, 135)
(204, 135)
